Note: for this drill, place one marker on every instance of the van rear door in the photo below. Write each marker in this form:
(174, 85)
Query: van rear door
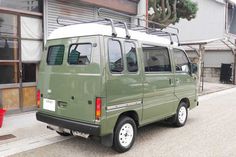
(69, 78)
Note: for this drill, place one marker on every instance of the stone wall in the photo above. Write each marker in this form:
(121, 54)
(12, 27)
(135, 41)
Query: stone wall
(211, 74)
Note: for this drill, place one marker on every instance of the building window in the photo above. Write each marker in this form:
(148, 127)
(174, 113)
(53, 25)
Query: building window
(31, 39)
(115, 56)
(8, 25)
(28, 72)
(156, 59)
(9, 73)
(25, 5)
(8, 49)
(9, 55)
(231, 21)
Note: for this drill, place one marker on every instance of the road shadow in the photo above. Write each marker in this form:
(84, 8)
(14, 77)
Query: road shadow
(78, 146)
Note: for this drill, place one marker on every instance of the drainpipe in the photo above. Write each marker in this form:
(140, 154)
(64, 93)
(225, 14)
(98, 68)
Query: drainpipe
(146, 9)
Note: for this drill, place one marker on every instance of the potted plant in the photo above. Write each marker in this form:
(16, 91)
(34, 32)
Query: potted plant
(2, 113)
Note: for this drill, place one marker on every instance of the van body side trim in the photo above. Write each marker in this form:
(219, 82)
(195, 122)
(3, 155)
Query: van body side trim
(122, 106)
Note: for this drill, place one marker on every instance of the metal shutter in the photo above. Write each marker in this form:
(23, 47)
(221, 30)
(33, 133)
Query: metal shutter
(115, 17)
(72, 9)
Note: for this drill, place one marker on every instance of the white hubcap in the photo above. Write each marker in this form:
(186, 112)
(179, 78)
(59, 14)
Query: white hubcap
(182, 114)
(126, 135)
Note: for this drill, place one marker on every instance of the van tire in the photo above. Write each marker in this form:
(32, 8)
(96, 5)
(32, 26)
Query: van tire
(124, 134)
(63, 133)
(181, 115)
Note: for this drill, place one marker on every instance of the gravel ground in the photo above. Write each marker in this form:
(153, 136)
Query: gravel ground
(209, 132)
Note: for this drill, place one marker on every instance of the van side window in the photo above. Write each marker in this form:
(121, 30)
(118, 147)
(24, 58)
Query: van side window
(55, 55)
(156, 58)
(131, 57)
(115, 56)
(80, 54)
(181, 61)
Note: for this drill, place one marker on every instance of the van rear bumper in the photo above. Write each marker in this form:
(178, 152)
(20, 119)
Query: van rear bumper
(69, 124)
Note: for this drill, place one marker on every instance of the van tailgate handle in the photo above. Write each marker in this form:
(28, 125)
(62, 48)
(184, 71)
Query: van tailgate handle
(62, 104)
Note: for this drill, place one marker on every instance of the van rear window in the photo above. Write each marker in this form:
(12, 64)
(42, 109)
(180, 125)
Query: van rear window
(55, 55)
(80, 54)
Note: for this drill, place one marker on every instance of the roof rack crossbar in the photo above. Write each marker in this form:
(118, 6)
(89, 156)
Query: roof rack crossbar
(177, 37)
(126, 30)
(114, 34)
(117, 23)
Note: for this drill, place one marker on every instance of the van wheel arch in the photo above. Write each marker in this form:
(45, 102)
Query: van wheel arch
(131, 114)
(181, 116)
(172, 119)
(124, 134)
(185, 100)
(108, 139)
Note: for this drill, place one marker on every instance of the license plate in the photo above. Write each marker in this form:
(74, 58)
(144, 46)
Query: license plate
(49, 104)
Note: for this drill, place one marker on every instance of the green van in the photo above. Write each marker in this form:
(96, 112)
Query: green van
(106, 81)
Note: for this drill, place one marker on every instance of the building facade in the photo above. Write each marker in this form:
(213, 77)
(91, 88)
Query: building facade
(25, 26)
(21, 40)
(213, 29)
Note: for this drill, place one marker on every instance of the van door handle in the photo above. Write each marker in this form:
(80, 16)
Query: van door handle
(177, 81)
(171, 82)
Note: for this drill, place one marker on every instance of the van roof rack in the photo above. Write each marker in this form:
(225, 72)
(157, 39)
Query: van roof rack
(65, 21)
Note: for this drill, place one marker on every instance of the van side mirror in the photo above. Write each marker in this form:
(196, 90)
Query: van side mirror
(194, 68)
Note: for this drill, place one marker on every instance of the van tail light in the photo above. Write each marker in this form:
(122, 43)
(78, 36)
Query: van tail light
(98, 110)
(38, 98)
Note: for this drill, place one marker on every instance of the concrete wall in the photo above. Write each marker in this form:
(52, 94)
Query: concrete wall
(216, 58)
(211, 75)
(208, 24)
(212, 63)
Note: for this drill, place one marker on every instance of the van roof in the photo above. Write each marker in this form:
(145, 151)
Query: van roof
(87, 29)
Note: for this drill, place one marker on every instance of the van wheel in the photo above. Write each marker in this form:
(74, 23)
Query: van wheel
(63, 133)
(181, 115)
(124, 134)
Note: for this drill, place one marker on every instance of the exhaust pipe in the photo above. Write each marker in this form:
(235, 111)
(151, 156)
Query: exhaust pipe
(59, 129)
(51, 127)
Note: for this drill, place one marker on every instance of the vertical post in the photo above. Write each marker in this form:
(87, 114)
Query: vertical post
(200, 74)
(141, 17)
(234, 72)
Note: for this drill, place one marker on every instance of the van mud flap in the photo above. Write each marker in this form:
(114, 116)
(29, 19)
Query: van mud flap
(107, 140)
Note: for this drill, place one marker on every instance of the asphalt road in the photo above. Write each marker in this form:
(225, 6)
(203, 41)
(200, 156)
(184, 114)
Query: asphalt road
(209, 132)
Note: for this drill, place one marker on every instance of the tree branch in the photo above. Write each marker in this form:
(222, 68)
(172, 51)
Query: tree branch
(173, 15)
(168, 15)
(163, 9)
